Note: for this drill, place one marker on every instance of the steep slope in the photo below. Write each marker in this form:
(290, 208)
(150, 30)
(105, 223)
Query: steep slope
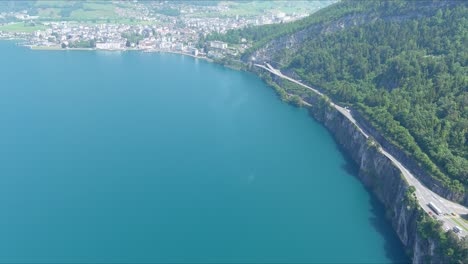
(402, 65)
(423, 237)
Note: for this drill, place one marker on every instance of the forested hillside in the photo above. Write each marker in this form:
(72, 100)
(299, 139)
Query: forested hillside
(401, 64)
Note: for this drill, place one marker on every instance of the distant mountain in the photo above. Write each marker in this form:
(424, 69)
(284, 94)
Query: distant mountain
(401, 64)
(15, 6)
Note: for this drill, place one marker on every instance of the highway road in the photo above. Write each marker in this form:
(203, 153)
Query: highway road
(423, 194)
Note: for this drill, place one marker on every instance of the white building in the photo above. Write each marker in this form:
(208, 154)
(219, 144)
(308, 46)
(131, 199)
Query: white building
(109, 46)
(194, 51)
(165, 45)
(280, 15)
(179, 46)
(218, 45)
(146, 44)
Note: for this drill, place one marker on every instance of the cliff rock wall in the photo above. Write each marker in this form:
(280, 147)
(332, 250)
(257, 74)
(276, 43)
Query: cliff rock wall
(379, 174)
(276, 53)
(434, 184)
(279, 51)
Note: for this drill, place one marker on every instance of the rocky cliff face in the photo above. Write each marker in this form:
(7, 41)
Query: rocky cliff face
(434, 184)
(376, 171)
(277, 52)
(379, 174)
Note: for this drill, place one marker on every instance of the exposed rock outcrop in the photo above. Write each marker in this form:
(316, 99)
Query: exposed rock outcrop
(379, 174)
(433, 184)
(276, 53)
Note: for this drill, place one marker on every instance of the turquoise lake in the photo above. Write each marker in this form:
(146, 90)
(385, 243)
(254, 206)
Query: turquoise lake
(140, 157)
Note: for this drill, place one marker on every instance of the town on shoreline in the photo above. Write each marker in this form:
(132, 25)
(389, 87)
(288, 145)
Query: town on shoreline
(58, 48)
(150, 26)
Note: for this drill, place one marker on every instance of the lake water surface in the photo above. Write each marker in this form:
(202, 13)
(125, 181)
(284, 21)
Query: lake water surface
(138, 157)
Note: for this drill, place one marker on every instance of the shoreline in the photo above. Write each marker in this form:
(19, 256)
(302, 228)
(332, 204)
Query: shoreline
(131, 49)
(364, 178)
(385, 176)
(58, 48)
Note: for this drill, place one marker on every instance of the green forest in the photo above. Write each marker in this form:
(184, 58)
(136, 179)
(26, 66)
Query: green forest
(405, 70)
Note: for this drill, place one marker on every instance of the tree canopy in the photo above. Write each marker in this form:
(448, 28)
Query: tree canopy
(404, 69)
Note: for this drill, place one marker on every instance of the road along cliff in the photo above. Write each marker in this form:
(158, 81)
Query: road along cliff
(405, 198)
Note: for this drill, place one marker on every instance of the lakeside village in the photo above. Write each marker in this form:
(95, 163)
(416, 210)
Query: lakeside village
(156, 34)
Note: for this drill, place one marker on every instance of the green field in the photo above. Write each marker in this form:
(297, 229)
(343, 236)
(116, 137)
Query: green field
(21, 27)
(102, 11)
(81, 14)
(77, 10)
(256, 8)
(57, 4)
(50, 13)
